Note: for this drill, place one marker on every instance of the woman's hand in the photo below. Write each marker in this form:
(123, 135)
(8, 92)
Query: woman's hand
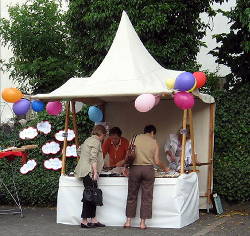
(95, 176)
(172, 158)
(125, 172)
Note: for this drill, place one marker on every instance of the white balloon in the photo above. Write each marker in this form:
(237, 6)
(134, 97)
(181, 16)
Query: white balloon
(78, 106)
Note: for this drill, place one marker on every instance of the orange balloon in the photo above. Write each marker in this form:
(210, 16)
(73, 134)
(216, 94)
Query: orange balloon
(11, 94)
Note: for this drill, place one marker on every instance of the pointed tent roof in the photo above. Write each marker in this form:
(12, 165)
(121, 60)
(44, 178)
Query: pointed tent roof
(128, 70)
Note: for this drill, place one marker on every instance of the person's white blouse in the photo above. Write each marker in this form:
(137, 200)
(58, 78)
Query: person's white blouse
(172, 144)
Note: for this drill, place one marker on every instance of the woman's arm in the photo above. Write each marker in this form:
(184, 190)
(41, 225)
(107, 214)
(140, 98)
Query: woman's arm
(94, 149)
(172, 157)
(157, 159)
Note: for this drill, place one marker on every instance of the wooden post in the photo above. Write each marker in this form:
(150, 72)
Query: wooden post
(65, 142)
(210, 153)
(190, 115)
(75, 125)
(184, 126)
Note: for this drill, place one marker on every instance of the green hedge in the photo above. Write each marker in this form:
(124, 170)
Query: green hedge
(40, 186)
(232, 143)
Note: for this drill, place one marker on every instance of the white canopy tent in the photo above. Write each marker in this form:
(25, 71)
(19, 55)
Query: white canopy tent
(128, 70)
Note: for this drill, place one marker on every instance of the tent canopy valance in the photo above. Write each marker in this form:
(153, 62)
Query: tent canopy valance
(128, 70)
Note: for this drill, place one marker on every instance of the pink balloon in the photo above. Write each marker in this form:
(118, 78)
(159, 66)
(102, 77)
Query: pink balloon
(54, 108)
(184, 100)
(157, 99)
(144, 102)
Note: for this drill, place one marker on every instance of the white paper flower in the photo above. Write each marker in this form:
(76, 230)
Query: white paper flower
(60, 135)
(29, 166)
(51, 148)
(44, 127)
(71, 151)
(53, 164)
(28, 133)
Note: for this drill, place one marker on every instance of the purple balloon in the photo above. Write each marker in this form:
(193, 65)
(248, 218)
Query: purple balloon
(184, 100)
(184, 81)
(21, 107)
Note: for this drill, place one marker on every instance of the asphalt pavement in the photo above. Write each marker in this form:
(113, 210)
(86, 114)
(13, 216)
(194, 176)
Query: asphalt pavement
(42, 222)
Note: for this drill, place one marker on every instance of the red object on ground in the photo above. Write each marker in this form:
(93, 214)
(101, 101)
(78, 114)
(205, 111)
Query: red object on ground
(12, 154)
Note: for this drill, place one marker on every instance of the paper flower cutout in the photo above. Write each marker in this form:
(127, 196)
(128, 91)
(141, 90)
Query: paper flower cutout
(51, 148)
(29, 166)
(53, 164)
(71, 151)
(60, 135)
(28, 133)
(44, 127)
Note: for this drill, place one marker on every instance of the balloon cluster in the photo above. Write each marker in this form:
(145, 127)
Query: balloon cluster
(22, 105)
(185, 83)
(15, 96)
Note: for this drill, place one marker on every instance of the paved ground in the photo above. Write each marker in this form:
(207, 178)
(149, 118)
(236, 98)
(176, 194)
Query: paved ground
(42, 222)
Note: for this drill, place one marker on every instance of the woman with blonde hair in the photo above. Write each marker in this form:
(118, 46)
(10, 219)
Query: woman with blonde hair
(88, 168)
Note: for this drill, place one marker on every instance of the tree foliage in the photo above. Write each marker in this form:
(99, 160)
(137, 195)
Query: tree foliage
(232, 159)
(38, 37)
(234, 49)
(170, 30)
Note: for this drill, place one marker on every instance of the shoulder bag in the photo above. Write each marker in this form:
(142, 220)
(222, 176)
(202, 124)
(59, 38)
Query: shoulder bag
(130, 155)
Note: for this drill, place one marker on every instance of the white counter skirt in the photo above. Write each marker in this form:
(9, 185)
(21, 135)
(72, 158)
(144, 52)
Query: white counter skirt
(175, 202)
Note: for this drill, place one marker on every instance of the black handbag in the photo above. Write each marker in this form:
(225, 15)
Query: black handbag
(93, 195)
(130, 155)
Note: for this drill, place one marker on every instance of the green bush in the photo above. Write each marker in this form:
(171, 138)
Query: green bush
(232, 149)
(40, 186)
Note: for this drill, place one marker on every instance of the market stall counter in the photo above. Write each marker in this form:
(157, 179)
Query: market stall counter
(175, 203)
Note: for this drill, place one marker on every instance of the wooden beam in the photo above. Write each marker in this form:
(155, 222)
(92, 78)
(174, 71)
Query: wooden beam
(184, 126)
(190, 115)
(210, 152)
(65, 142)
(73, 103)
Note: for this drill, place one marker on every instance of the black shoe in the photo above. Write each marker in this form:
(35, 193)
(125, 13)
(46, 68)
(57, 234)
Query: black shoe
(91, 225)
(85, 226)
(98, 224)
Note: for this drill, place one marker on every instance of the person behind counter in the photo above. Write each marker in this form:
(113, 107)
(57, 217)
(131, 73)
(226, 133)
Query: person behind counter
(88, 167)
(141, 174)
(116, 146)
(173, 149)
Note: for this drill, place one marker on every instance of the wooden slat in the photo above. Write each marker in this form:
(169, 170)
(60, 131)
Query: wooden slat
(75, 125)
(190, 115)
(184, 126)
(65, 142)
(210, 152)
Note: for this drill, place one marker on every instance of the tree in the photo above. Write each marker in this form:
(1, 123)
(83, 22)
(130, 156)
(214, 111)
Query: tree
(38, 37)
(170, 30)
(234, 49)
